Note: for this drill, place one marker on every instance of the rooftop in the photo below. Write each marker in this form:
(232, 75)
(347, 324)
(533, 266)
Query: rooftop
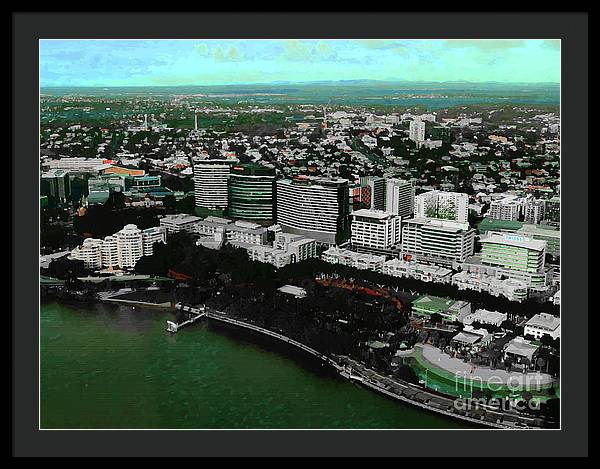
(521, 347)
(293, 290)
(366, 213)
(514, 240)
(545, 321)
(433, 303)
(180, 219)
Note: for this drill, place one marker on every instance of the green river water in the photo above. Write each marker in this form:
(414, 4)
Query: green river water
(107, 366)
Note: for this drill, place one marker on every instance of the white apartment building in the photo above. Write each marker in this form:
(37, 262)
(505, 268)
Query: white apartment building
(123, 249)
(156, 234)
(130, 246)
(314, 207)
(399, 197)
(375, 229)
(90, 252)
(210, 225)
(211, 177)
(507, 208)
(179, 222)
(286, 249)
(110, 252)
(442, 205)
(416, 130)
(437, 241)
(484, 316)
(534, 211)
(299, 247)
(543, 323)
(267, 255)
(335, 255)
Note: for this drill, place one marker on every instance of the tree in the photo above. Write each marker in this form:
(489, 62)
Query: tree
(115, 201)
(169, 202)
(435, 318)
(547, 340)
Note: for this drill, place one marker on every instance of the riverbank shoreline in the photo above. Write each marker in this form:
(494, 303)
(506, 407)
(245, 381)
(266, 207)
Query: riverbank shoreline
(358, 374)
(421, 398)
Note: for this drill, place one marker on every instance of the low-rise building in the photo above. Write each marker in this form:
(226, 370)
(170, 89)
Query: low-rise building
(180, 222)
(416, 270)
(483, 316)
(543, 323)
(447, 308)
(514, 290)
(336, 255)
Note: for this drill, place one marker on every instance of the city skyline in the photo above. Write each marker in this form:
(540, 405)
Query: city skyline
(113, 63)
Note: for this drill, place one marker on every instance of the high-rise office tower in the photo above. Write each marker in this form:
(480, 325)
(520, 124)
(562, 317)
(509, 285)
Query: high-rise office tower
(375, 229)
(314, 207)
(374, 192)
(251, 192)
(399, 197)
(211, 178)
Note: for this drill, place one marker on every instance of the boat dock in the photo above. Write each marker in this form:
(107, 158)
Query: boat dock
(193, 315)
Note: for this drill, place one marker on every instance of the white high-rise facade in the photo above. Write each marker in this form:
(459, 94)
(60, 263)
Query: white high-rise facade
(129, 245)
(314, 207)
(110, 252)
(122, 250)
(507, 208)
(211, 177)
(375, 229)
(399, 197)
(90, 252)
(534, 211)
(416, 131)
(453, 206)
(437, 241)
(150, 236)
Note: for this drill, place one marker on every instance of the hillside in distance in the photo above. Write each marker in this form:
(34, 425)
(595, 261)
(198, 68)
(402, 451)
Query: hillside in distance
(350, 93)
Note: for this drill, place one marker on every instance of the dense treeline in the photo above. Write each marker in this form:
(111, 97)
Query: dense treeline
(103, 220)
(202, 264)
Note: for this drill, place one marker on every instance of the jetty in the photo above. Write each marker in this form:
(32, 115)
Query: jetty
(193, 314)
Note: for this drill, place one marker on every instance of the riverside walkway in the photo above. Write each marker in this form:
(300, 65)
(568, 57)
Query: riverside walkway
(406, 392)
(220, 316)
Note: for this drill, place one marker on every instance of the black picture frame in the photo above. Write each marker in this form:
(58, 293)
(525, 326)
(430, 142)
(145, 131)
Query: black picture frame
(570, 440)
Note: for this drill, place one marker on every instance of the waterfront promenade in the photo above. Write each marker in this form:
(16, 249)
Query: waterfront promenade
(406, 392)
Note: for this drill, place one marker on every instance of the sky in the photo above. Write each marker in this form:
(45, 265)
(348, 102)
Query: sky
(221, 62)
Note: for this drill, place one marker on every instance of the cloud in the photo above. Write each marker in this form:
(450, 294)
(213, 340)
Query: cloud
(295, 50)
(484, 44)
(230, 55)
(202, 49)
